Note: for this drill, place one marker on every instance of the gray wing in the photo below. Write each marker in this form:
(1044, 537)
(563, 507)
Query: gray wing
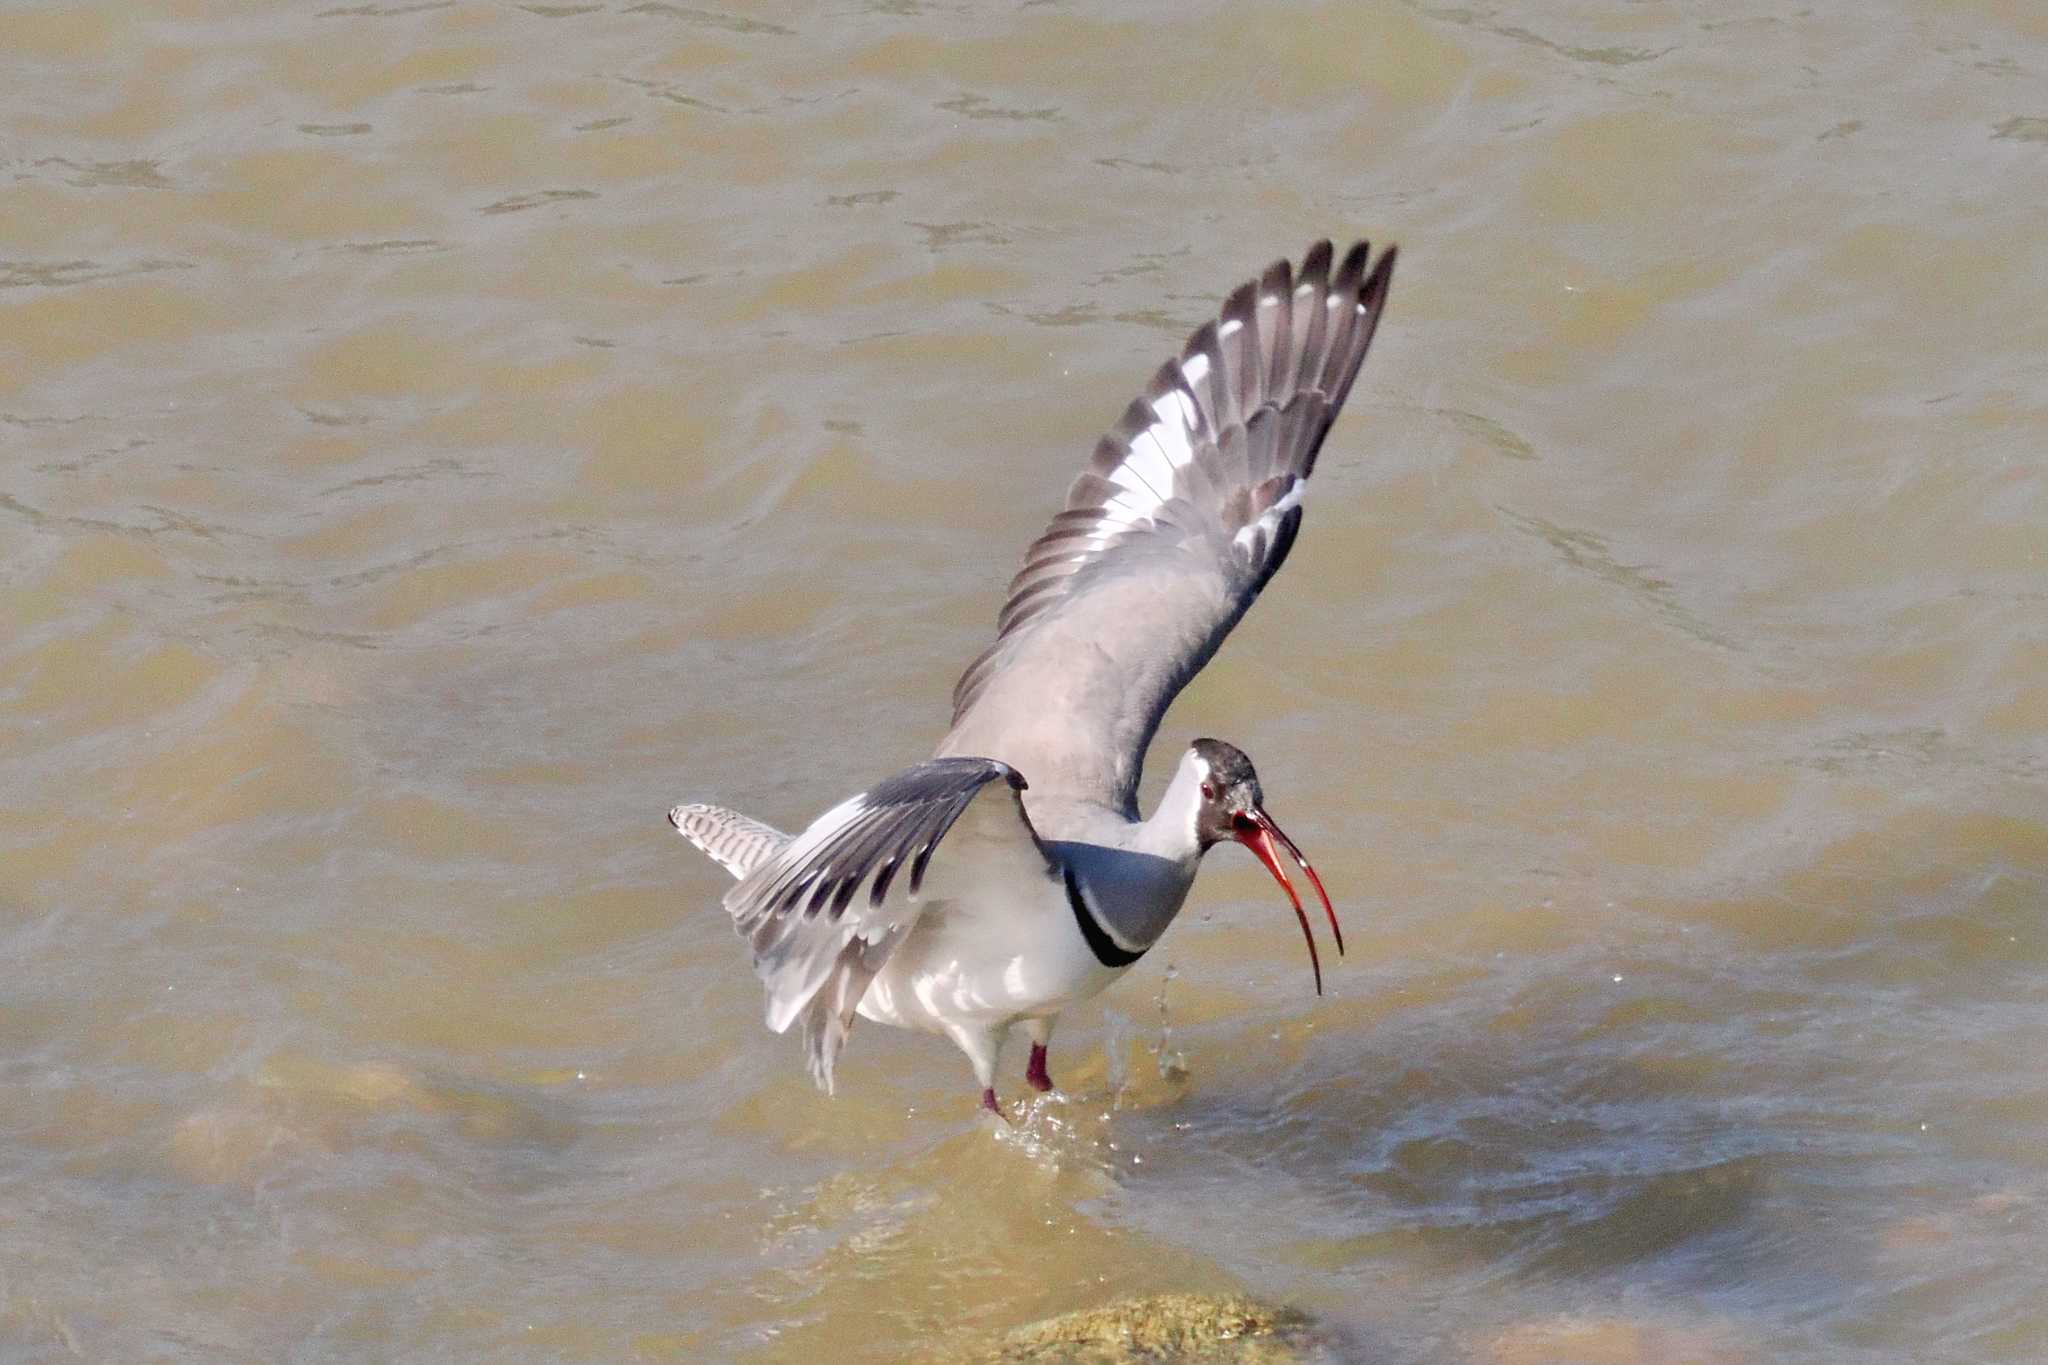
(1188, 507)
(823, 913)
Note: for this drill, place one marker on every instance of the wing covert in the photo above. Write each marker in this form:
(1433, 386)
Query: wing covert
(1187, 508)
(850, 883)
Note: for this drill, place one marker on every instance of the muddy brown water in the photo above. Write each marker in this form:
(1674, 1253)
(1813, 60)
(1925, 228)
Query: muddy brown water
(436, 437)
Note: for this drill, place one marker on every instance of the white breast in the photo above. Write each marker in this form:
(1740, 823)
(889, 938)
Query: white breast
(1011, 950)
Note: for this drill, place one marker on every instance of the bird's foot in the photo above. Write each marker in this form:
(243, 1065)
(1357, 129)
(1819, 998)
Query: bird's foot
(1035, 1074)
(988, 1102)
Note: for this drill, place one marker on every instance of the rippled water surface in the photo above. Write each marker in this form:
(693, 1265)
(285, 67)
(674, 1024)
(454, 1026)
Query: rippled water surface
(436, 437)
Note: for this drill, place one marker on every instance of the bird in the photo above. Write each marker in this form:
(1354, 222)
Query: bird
(1010, 875)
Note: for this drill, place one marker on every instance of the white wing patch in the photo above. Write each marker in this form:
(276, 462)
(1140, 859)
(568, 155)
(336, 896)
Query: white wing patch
(820, 830)
(1144, 497)
(1151, 470)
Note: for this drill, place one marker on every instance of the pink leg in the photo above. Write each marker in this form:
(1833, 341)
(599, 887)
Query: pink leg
(1035, 1073)
(988, 1102)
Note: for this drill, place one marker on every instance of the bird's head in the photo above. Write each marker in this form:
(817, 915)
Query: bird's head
(1229, 791)
(1231, 807)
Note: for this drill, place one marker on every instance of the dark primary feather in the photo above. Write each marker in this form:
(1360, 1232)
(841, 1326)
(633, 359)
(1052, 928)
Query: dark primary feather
(901, 817)
(1188, 506)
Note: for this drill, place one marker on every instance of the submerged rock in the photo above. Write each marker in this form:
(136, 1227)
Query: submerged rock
(1196, 1328)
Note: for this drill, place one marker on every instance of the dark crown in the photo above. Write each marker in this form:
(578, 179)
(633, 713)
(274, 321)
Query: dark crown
(1227, 763)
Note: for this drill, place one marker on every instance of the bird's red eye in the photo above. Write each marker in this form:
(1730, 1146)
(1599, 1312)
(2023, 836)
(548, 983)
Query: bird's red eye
(1208, 791)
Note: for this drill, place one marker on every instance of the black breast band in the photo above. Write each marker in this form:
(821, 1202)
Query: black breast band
(1106, 949)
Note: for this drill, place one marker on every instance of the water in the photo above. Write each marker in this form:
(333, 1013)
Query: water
(436, 438)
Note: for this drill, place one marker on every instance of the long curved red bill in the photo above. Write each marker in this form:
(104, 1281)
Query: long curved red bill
(1256, 831)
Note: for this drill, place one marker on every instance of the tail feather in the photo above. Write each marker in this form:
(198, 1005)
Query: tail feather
(737, 844)
(740, 845)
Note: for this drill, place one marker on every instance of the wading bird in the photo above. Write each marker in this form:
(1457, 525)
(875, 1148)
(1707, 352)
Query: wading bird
(1010, 875)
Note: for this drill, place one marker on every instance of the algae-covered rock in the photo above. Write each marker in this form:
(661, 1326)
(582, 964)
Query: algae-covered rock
(1195, 1328)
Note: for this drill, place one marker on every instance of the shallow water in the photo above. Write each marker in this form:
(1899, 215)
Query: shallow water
(434, 438)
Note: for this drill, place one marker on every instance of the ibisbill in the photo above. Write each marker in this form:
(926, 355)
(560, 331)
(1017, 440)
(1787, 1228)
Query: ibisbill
(1010, 875)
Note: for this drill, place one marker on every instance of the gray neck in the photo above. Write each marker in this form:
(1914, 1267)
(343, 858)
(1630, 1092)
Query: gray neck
(1136, 884)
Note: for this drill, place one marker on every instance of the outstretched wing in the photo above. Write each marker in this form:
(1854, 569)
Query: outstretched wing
(824, 912)
(1189, 505)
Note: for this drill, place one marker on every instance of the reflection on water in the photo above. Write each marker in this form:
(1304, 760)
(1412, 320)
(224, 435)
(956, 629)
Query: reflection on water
(437, 438)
